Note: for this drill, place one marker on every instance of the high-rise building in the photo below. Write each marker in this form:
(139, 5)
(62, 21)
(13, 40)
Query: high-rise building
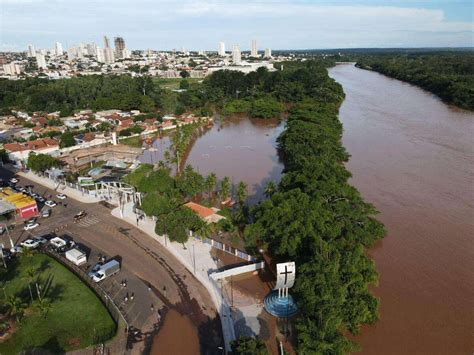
(253, 51)
(268, 53)
(31, 51)
(41, 60)
(99, 55)
(59, 49)
(126, 53)
(12, 69)
(236, 55)
(106, 42)
(221, 49)
(109, 55)
(119, 46)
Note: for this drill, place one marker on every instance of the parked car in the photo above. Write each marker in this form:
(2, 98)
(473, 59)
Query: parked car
(28, 226)
(61, 245)
(41, 199)
(16, 249)
(76, 256)
(13, 180)
(50, 203)
(30, 244)
(61, 196)
(46, 213)
(41, 240)
(80, 216)
(108, 269)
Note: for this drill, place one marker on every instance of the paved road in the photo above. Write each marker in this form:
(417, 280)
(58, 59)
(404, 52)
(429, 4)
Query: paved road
(141, 258)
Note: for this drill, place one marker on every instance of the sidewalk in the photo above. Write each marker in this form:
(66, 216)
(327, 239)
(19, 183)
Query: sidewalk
(196, 257)
(70, 192)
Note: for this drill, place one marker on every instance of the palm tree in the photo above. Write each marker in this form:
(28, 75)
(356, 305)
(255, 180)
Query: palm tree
(15, 305)
(44, 306)
(30, 275)
(204, 230)
(241, 192)
(225, 188)
(270, 188)
(211, 181)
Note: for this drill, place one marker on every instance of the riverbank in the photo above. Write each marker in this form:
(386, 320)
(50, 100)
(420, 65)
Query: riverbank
(411, 156)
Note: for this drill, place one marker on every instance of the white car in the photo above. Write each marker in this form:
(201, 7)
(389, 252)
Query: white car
(50, 203)
(30, 244)
(46, 213)
(30, 225)
(61, 196)
(16, 249)
(13, 180)
(40, 240)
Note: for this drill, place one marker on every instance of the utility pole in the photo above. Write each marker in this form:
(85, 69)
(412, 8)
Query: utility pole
(194, 260)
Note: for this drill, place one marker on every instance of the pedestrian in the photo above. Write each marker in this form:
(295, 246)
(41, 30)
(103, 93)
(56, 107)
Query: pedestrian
(152, 308)
(132, 296)
(124, 283)
(149, 287)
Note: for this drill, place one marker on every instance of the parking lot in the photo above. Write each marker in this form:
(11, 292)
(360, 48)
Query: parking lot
(144, 261)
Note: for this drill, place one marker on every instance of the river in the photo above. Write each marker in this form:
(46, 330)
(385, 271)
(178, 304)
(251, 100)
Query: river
(412, 157)
(241, 148)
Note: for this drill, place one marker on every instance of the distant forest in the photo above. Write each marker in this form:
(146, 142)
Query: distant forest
(449, 75)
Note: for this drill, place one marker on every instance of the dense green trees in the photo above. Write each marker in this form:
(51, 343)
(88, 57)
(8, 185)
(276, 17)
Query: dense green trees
(89, 92)
(449, 75)
(317, 219)
(248, 346)
(41, 162)
(67, 140)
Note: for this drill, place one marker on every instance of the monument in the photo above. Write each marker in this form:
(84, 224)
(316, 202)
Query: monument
(279, 302)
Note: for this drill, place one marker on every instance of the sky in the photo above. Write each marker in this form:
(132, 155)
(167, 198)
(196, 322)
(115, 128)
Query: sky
(201, 24)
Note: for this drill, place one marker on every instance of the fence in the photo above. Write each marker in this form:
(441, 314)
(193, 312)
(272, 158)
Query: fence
(237, 270)
(229, 249)
(112, 308)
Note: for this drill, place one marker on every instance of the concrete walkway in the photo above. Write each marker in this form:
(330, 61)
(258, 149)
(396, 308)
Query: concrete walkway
(196, 257)
(68, 191)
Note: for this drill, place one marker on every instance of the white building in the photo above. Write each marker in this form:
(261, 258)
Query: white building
(100, 55)
(253, 51)
(71, 53)
(221, 51)
(236, 55)
(12, 69)
(109, 55)
(59, 49)
(268, 53)
(41, 60)
(126, 53)
(31, 51)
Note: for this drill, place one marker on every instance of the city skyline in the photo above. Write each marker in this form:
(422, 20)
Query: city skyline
(200, 25)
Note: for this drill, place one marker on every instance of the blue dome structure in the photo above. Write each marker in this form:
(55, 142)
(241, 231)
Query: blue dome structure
(281, 307)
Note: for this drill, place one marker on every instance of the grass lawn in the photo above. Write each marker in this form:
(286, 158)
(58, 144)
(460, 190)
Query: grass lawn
(173, 83)
(76, 319)
(132, 141)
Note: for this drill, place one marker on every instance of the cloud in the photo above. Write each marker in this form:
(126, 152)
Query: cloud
(201, 24)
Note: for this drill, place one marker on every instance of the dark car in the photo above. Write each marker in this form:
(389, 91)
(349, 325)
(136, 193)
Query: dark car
(80, 216)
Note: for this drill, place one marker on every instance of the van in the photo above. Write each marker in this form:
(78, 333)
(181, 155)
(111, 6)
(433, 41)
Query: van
(76, 256)
(108, 269)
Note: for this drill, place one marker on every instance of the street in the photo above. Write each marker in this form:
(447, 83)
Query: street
(144, 263)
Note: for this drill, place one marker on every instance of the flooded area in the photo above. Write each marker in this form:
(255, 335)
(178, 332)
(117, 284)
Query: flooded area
(412, 157)
(241, 148)
(178, 336)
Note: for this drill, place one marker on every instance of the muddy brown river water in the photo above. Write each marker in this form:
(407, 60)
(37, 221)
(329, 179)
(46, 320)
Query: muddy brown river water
(412, 157)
